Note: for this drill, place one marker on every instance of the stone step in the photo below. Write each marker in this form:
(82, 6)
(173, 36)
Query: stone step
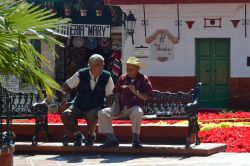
(162, 134)
(204, 149)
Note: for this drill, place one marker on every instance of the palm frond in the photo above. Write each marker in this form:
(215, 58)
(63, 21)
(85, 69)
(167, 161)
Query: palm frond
(19, 23)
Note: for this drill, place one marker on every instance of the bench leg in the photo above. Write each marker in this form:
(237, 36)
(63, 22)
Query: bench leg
(188, 142)
(193, 128)
(46, 128)
(41, 124)
(197, 129)
(34, 138)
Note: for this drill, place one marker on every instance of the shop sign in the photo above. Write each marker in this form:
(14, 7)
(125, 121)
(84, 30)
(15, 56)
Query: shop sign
(142, 52)
(162, 49)
(85, 30)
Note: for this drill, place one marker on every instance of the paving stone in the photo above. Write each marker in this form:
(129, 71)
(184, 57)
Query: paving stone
(219, 159)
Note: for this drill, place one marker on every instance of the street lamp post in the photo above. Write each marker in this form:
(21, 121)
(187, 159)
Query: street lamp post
(129, 22)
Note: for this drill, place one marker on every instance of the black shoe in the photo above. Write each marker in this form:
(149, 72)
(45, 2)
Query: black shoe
(136, 144)
(90, 140)
(110, 143)
(78, 140)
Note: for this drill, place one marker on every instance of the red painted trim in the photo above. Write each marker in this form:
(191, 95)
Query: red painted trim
(240, 92)
(134, 2)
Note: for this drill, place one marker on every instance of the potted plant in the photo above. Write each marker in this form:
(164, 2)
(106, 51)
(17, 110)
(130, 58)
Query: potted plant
(50, 6)
(82, 7)
(68, 8)
(99, 5)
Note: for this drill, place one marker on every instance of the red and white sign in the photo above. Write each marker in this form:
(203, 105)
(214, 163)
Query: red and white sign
(212, 23)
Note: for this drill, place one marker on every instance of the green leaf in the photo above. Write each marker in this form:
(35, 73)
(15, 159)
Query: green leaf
(19, 23)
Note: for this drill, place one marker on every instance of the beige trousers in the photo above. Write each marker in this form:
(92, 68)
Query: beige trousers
(105, 118)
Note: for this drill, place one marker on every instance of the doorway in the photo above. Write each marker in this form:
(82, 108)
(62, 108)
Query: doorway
(213, 71)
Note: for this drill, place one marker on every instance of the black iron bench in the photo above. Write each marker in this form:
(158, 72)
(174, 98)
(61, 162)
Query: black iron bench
(15, 105)
(172, 106)
(175, 106)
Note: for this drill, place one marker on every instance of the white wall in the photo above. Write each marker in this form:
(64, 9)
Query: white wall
(183, 64)
(45, 51)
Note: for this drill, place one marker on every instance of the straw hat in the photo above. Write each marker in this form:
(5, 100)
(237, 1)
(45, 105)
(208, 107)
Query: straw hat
(135, 61)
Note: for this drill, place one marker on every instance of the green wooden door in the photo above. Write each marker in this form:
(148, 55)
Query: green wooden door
(212, 70)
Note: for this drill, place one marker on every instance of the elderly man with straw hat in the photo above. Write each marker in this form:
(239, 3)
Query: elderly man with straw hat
(132, 90)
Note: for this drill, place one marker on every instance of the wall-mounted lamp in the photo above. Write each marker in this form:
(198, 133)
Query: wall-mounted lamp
(129, 23)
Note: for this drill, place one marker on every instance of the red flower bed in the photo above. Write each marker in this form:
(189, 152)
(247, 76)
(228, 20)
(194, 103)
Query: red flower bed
(236, 138)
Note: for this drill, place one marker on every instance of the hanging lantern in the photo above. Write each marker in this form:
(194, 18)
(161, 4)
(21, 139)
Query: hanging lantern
(130, 22)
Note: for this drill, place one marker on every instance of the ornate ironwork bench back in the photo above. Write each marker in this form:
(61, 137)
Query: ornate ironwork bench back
(168, 104)
(24, 106)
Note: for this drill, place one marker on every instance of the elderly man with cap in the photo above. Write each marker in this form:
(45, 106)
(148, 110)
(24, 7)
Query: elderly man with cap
(93, 85)
(132, 90)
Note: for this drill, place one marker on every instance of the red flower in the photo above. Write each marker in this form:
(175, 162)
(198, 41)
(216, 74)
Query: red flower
(236, 138)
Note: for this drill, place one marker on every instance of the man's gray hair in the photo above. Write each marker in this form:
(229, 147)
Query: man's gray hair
(96, 57)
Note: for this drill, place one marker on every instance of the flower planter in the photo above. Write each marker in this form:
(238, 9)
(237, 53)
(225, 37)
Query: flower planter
(6, 156)
(99, 12)
(83, 12)
(53, 11)
(67, 12)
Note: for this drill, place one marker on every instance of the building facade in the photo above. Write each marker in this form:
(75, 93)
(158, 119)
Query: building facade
(184, 42)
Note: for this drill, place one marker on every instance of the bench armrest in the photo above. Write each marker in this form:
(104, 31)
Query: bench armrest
(40, 108)
(192, 108)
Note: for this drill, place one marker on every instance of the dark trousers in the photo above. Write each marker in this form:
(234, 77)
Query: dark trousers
(69, 118)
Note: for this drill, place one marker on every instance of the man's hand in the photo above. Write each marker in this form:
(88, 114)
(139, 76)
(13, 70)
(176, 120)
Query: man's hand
(140, 95)
(62, 106)
(132, 88)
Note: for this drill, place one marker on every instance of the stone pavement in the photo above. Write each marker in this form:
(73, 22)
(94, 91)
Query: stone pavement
(219, 159)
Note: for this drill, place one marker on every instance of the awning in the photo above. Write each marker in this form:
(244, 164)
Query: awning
(135, 2)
